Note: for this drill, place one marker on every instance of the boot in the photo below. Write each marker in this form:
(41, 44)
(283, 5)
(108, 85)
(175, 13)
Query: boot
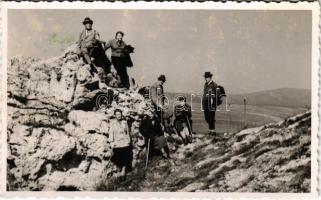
(185, 141)
(93, 69)
(212, 132)
(190, 139)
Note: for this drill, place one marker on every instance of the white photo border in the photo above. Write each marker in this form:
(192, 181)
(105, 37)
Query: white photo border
(313, 6)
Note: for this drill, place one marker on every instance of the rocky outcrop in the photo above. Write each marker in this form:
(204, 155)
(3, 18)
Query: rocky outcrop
(58, 121)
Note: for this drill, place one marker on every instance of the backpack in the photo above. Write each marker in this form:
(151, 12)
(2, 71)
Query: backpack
(144, 91)
(220, 93)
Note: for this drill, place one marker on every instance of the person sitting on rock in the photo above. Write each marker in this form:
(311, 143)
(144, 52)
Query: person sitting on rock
(120, 141)
(182, 120)
(152, 130)
(88, 40)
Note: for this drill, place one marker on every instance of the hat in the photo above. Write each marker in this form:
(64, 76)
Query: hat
(208, 74)
(182, 98)
(87, 20)
(162, 78)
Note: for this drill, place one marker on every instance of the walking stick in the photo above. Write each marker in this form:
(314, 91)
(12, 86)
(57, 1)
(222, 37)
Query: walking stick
(147, 155)
(162, 120)
(190, 128)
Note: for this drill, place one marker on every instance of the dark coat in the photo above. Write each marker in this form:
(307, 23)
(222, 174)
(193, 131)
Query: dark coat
(154, 132)
(150, 130)
(209, 91)
(182, 114)
(127, 59)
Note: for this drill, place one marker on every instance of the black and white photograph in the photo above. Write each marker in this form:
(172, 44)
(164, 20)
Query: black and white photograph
(131, 99)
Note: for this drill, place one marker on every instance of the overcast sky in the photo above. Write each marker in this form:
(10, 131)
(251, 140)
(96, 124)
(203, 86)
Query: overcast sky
(245, 50)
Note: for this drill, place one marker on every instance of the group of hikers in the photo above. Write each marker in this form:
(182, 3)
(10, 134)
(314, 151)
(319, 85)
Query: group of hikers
(149, 132)
(89, 40)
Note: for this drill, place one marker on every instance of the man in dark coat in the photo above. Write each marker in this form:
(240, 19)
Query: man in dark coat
(209, 101)
(152, 130)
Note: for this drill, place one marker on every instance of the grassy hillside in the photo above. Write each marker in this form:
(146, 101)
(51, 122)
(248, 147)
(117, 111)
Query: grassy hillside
(272, 158)
(285, 97)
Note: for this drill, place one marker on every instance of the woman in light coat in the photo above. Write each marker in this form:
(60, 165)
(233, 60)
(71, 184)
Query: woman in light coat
(120, 142)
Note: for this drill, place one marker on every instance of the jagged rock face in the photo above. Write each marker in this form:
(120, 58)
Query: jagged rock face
(57, 134)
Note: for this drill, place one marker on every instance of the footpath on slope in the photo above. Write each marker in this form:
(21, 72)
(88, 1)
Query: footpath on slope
(272, 158)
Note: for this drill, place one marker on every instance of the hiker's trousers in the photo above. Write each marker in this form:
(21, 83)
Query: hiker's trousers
(87, 52)
(209, 113)
(121, 69)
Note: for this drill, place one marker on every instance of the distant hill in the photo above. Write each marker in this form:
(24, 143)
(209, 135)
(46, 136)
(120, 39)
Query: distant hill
(287, 97)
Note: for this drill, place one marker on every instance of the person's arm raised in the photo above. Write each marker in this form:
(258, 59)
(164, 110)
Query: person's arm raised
(108, 45)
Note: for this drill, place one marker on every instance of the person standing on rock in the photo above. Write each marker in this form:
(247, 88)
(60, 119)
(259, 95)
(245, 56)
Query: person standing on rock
(88, 40)
(120, 57)
(209, 101)
(156, 94)
(120, 141)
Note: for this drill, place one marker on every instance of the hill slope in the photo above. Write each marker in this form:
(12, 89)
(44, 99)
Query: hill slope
(287, 97)
(270, 158)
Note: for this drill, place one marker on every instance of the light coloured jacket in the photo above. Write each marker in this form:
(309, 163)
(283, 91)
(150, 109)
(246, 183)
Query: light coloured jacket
(156, 94)
(119, 134)
(117, 47)
(88, 39)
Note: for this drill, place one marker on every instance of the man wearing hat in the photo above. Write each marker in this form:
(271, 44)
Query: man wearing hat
(88, 39)
(208, 101)
(157, 95)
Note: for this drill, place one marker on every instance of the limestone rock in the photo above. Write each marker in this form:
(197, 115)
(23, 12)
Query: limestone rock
(58, 123)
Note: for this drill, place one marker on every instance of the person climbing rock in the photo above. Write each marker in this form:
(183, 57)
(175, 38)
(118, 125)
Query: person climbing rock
(88, 40)
(120, 57)
(209, 101)
(182, 120)
(120, 141)
(157, 96)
